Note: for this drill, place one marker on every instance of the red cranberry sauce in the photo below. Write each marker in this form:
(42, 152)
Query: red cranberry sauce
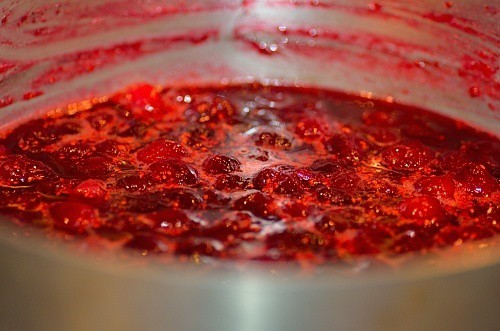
(253, 172)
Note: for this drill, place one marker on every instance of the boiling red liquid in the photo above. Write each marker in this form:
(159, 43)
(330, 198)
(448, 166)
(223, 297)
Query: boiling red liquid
(253, 173)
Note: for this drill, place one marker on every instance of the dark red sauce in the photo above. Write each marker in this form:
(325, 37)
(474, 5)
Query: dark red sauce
(252, 173)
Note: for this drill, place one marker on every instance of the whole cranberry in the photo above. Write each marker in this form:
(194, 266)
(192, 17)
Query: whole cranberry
(410, 157)
(161, 149)
(18, 170)
(173, 171)
(422, 208)
(221, 164)
(270, 139)
(258, 204)
(476, 180)
(437, 186)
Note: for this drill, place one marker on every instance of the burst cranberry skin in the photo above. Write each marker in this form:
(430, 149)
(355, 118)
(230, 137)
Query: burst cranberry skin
(407, 157)
(172, 171)
(221, 164)
(258, 204)
(437, 186)
(476, 180)
(74, 217)
(18, 170)
(422, 208)
(273, 140)
(161, 149)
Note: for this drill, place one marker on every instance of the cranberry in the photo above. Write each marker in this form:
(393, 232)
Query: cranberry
(112, 148)
(32, 136)
(280, 179)
(231, 182)
(422, 208)
(476, 180)
(91, 189)
(273, 140)
(221, 164)
(161, 149)
(75, 150)
(93, 167)
(258, 204)
(229, 229)
(484, 152)
(310, 129)
(134, 182)
(345, 180)
(410, 156)
(147, 243)
(437, 186)
(343, 151)
(18, 170)
(172, 222)
(411, 240)
(172, 171)
(181, 198)
(74, 217)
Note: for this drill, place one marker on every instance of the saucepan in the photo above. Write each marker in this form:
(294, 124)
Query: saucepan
(442, 56)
